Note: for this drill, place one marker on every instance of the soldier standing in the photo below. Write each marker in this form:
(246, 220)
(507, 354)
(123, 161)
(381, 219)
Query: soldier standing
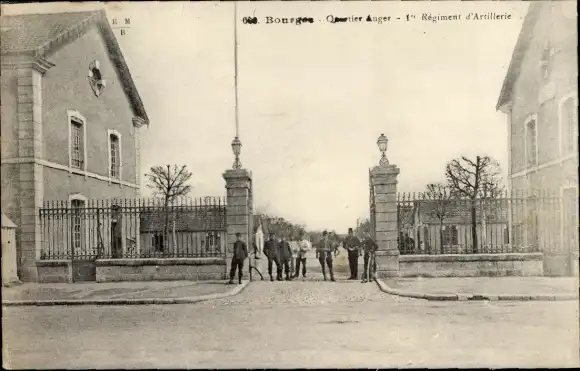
(271, 252)
(369, 247)
(304, 247)
(324, 252)
(284, 254)
(352, 244)
(240, 254)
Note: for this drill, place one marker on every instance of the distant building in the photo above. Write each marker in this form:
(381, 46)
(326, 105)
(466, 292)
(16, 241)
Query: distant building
(71, 117)
(190, 231)
(435, 227)
(540, 98)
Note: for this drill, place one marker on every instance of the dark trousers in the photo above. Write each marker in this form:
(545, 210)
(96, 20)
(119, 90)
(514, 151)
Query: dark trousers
(353, 263)
(366, 258)
(286, 265)
(239, 265)
(326, 257)
(300, 261)
(271, 260)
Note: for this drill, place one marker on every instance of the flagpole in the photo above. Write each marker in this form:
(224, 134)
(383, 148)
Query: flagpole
(236, 65)
(236, 143)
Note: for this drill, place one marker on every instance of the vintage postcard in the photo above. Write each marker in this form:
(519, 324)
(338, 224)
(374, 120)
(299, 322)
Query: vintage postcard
(289, 184)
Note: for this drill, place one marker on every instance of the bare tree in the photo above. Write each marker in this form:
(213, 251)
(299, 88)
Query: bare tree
(440, 195)
(364, 227)
(472, 180)
(169, 184)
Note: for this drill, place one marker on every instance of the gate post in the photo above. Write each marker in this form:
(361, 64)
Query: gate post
(384, 184)
(238, 210)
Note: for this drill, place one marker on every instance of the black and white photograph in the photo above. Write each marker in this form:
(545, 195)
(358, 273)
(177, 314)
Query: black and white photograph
(289, 184)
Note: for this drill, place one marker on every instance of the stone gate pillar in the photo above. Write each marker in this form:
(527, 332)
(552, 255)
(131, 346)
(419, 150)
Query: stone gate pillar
(238, 210)
(384, 182)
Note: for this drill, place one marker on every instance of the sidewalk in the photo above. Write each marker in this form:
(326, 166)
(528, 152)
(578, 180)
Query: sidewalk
(484, 288)
(120, 293)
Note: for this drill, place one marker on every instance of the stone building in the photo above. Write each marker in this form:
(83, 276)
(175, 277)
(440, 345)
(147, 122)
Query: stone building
(190, 231)
(71, 117)
(540, 99)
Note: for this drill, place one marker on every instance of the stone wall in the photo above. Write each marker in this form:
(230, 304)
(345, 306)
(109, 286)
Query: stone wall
(54, 271)
(113, 270)
(472, 265)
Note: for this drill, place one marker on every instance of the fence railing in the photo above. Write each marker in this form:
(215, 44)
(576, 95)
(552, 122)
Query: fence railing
(515, 223)
(133, 228)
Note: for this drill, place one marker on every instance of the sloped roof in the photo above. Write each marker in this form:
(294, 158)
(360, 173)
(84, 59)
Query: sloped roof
(455, 211)
(199, 220)
(520, 49)
(41, 35)
(7, 223)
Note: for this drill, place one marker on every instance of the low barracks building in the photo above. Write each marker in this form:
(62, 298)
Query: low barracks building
(71, 117)
(540, 99)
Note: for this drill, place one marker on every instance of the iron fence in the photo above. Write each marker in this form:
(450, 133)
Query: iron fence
(373, 220)
(514, 223)
(133, 228)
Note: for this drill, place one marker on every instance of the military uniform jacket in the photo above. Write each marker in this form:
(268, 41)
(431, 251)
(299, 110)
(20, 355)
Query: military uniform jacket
(369, 246)
(284, 251)
(324, 246)
(240, 250)
(351, 243)
(270, 249)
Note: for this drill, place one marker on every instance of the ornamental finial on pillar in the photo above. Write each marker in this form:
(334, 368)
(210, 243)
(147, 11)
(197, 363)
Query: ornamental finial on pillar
(236, 148)
(382, 143)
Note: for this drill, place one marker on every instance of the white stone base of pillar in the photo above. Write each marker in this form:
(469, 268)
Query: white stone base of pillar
(387, 263)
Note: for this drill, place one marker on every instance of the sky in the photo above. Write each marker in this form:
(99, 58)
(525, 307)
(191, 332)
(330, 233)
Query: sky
(314, 98)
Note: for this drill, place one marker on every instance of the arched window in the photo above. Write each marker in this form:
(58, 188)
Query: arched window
(78, 224)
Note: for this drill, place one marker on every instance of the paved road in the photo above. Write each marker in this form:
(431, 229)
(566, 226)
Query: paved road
(295, 324)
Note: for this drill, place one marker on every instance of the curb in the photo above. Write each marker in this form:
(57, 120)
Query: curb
(148, 301)
(473, 297)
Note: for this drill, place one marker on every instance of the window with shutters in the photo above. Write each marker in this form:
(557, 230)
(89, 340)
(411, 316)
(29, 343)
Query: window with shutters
(506, 235)
(77, 137)
(450, 235)
(114, 156)
(115, 159)
(531, 135)
(568, 124)
(78, 148)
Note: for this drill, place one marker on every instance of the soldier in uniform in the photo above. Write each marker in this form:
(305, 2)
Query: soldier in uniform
(304, 247)
(271, 252)
(324, 251)
(284, 256)
(369, 247)
(351, 243)
(240, 254)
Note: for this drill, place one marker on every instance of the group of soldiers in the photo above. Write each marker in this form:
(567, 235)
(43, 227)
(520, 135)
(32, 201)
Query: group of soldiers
(355, 247)
(280, 253)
